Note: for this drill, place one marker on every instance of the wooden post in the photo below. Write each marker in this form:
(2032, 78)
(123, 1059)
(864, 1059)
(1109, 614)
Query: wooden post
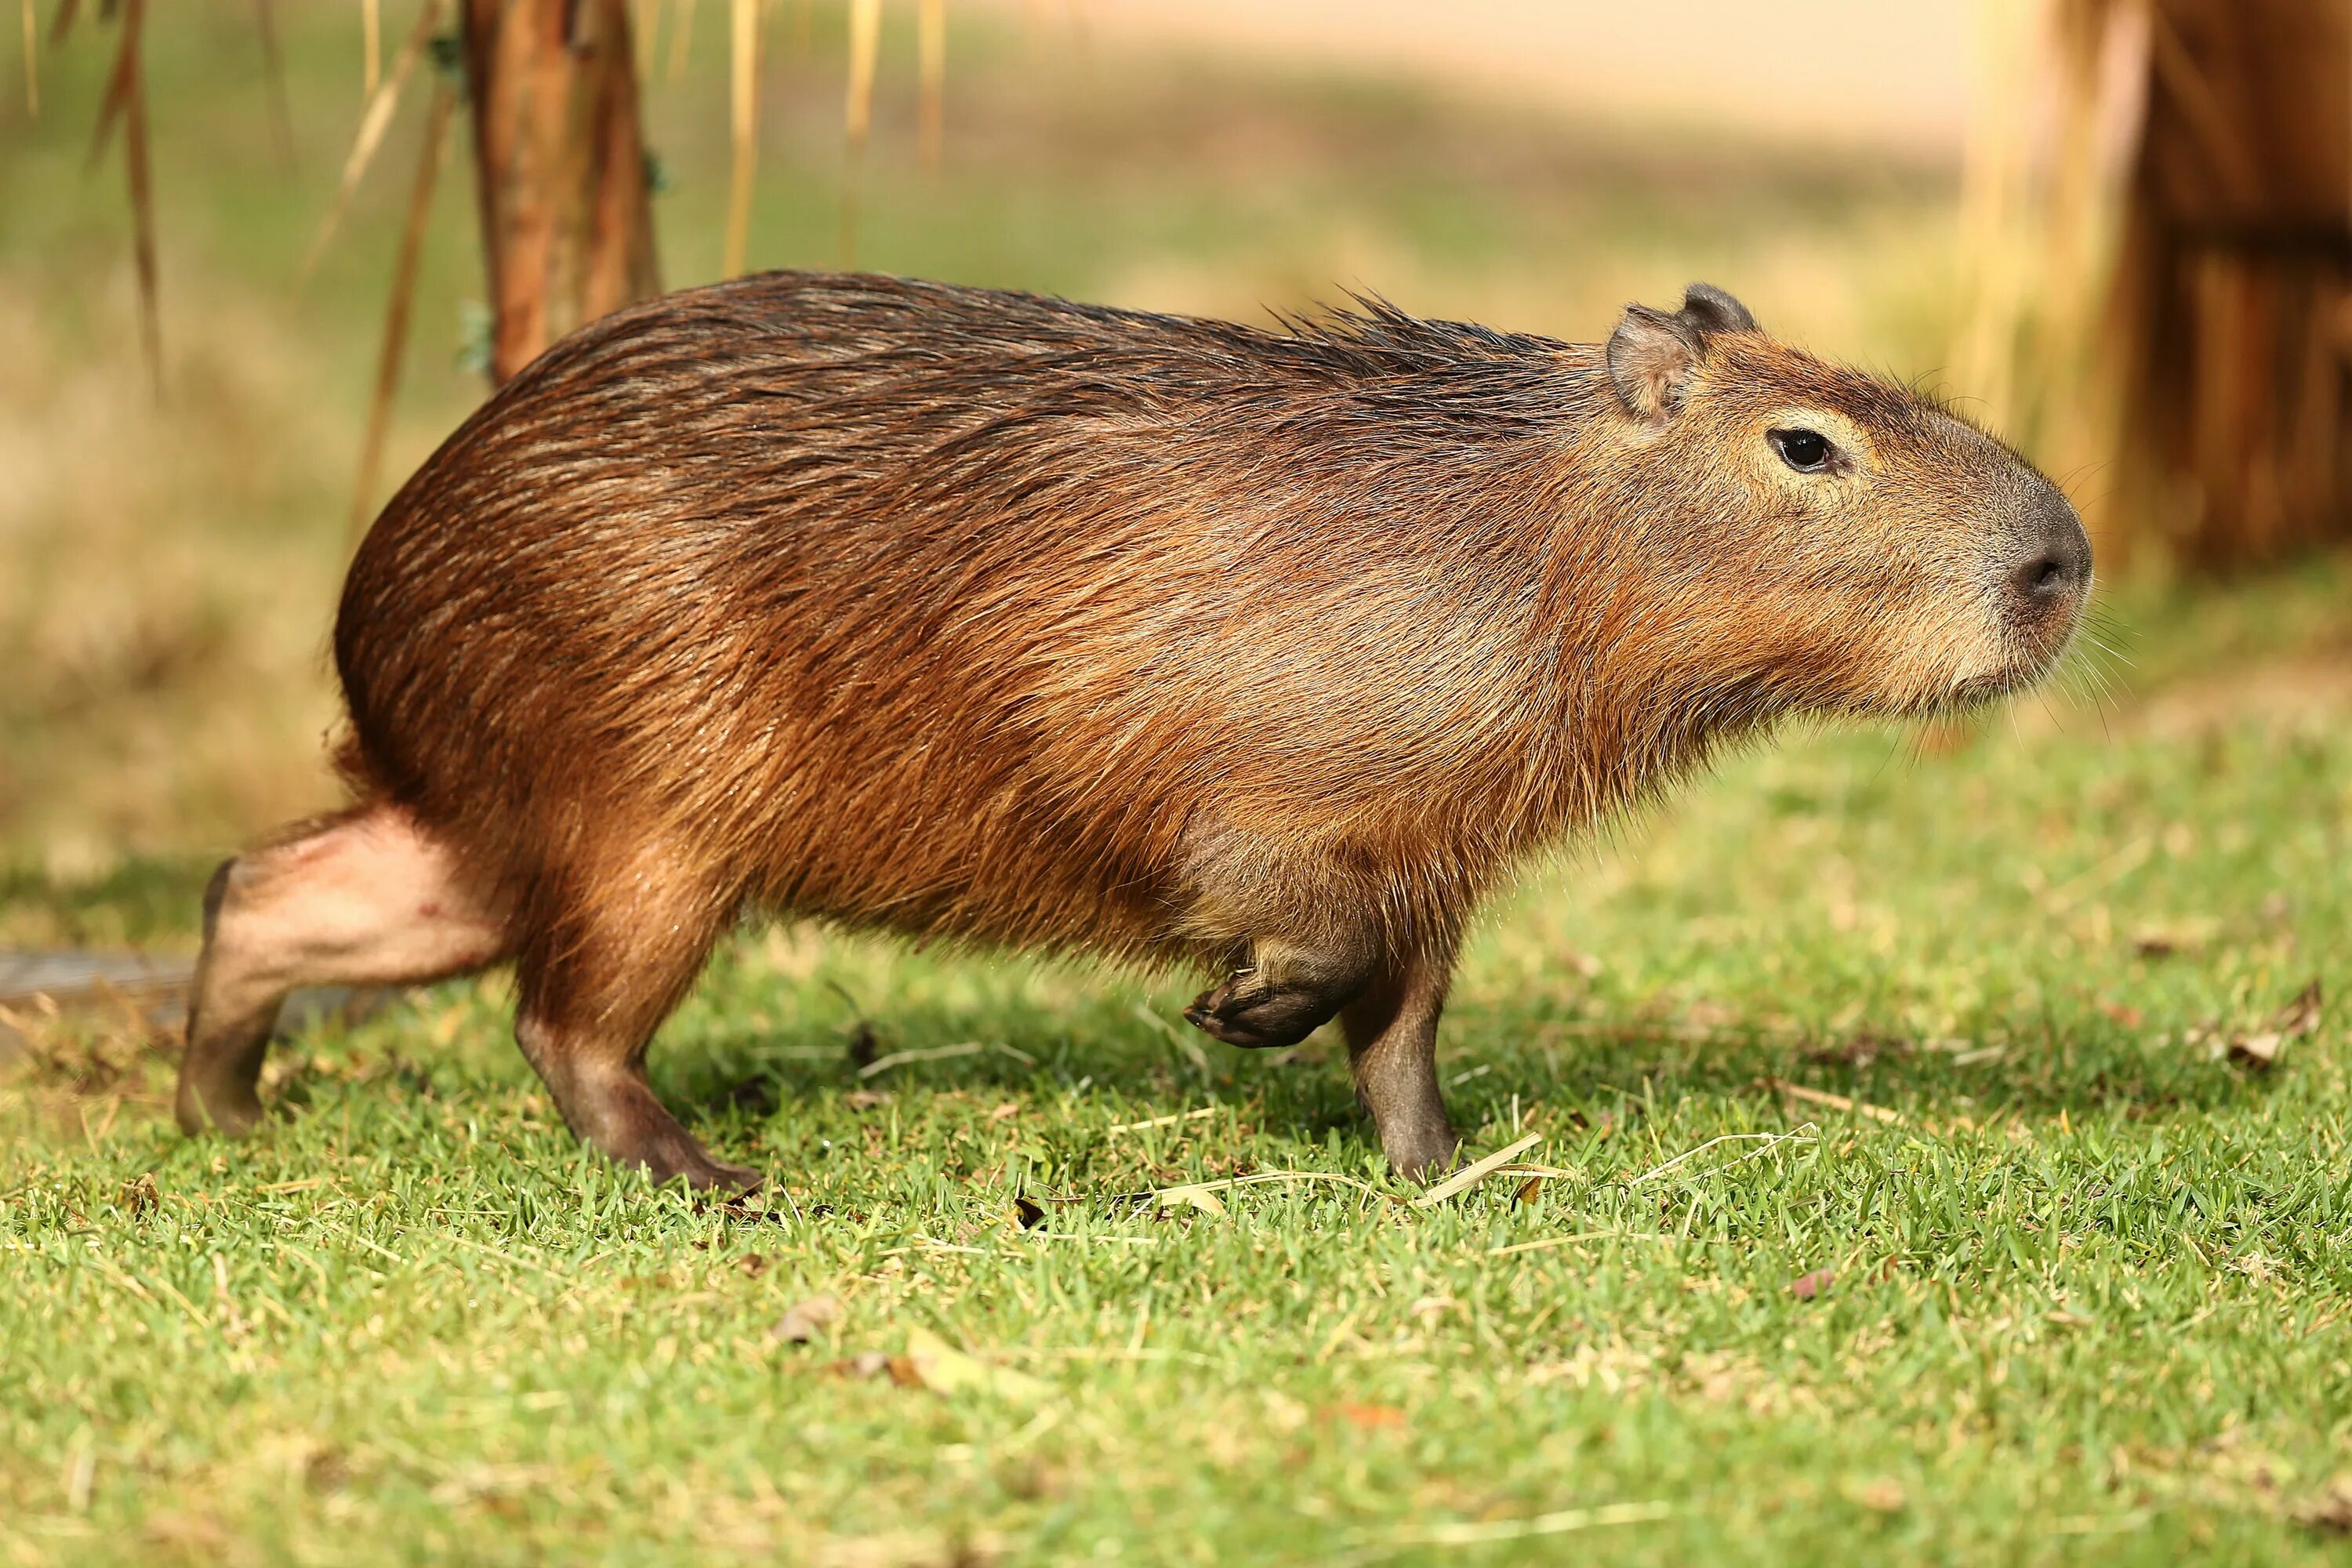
(2236, 281)
(560, 168)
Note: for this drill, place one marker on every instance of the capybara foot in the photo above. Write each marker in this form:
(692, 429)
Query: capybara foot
(1421, 1152)
(1247, 1011)
(1278, 992)
(217, 1100)
(620, 1114)
(680, 1158)
(674, 1155)
(721, 1179)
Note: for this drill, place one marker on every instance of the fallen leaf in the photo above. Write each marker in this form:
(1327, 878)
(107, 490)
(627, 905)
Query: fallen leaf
(1835, 1101)
(1805, 1287)
(802, 1321)
(939, 1366)
(1860, 1051)
(1029, 1211)
(1880, 1494)
(1368, 1417)
(752, 1264)
(138, 1196)
(2296, 1021)
(1530, 1191)
(2332, 1511)
(1197, 1197)
(1005, 1112)
(866, 1098)
(2257, 1050)
(863, 1365)
(2300, 1016)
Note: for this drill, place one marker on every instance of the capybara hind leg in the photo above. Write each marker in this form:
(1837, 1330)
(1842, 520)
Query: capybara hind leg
(1278, 992)
(368, 898)
(590, 1008)
(1392, 1032)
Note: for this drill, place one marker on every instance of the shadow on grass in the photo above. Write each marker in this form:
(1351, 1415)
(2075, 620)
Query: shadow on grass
(728, 1078)
(2022, 1069)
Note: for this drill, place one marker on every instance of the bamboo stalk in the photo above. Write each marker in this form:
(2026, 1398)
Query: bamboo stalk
(143, 193)
(273, 65)
(374, 121)
(932, 48)
(681, 34)
(125, 104)
(404, 295)
(865, 48)
(32, 60)
(621, 266)
(744, 100)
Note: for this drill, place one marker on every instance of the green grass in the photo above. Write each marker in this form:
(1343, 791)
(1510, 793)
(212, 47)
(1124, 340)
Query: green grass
(2092, 1292)
(2090, 1299)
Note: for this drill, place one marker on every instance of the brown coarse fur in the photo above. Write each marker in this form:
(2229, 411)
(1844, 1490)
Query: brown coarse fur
(994, 619)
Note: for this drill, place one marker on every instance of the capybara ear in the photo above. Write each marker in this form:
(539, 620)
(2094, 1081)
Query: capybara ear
(1649, 359)
(1712, 310)
(1651, 352)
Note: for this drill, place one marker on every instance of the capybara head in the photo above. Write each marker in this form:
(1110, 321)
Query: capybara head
(1844, 544)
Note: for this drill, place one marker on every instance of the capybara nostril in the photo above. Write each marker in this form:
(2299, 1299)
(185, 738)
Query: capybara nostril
(2044, 577)
(2059, 568)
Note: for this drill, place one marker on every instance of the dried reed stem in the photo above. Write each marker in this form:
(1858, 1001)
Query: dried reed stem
(125, 103)
(865, 48)
(745, 104)
(273, 65)
(931, 50)
(404, 295)
(374, 121)
(681, 35)
(32, 61)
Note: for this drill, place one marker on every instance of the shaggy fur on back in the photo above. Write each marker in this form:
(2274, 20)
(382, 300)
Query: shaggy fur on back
(983, 615)
(990, 618)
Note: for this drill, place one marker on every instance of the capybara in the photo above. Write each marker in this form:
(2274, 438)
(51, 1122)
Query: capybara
(999, 619)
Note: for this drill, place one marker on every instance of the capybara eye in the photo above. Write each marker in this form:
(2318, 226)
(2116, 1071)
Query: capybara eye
(1807, 452)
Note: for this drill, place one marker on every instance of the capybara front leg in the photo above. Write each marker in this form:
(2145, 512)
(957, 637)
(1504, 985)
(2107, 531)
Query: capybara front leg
(606, 1098)
(367, 898)
(1391, 1030)
(1278, 992)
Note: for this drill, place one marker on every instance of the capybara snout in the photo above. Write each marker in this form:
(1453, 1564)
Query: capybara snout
(1003, 620)
(1837, 507)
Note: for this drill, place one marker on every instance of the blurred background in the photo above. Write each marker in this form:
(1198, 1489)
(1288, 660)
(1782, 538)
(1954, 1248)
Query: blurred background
(256, 259)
